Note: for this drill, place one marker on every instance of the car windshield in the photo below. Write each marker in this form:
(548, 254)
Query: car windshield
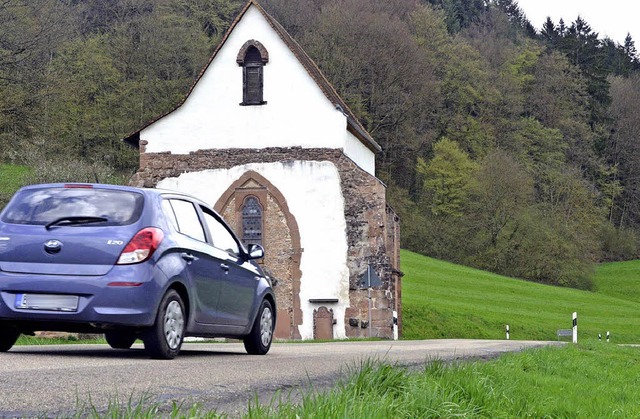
(105, 207)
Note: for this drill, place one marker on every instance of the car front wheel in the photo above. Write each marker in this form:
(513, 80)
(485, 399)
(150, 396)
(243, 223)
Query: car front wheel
(258, 341)
(164, 339)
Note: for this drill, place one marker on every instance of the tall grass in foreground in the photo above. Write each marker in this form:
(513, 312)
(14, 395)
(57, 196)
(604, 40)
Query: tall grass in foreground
(593, 380)
(589, 380)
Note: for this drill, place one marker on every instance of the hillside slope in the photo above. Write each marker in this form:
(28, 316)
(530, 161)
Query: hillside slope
(619, 279)
(444, 300)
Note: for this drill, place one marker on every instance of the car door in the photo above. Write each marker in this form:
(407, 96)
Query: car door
(203, 261)
(239, 284)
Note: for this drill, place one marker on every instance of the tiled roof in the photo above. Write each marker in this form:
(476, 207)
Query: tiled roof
(353, 125)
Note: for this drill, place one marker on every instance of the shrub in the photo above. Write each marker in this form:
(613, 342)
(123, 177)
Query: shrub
(618, 244)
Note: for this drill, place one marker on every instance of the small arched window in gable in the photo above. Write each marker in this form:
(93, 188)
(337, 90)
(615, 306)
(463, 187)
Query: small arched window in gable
(252, 57)
(251, 221)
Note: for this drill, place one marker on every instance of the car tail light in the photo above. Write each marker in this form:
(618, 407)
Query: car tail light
(141, 246)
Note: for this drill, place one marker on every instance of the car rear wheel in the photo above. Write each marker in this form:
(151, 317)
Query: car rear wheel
(8, 336)
(119, 339)
(164, 339)
(258, 341)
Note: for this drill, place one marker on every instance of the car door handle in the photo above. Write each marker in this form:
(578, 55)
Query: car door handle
(225, 267)
(188, 257)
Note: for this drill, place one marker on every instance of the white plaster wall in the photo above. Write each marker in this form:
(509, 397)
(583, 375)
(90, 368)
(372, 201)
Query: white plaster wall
(360, 154)
(297, 113)
(313, 194)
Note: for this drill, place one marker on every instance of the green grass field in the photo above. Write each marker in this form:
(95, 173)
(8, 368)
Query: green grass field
(443, 300)
(11, 179)
(619, 279)
(11, 176)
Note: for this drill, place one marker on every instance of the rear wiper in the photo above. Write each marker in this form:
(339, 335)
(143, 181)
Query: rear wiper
(74, 220)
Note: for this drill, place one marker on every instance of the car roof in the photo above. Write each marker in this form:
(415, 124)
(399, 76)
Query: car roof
(146, 191)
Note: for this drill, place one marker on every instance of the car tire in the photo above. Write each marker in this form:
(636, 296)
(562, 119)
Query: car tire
(8, 336)
(258, 341)
(119, 339)
(164, 339)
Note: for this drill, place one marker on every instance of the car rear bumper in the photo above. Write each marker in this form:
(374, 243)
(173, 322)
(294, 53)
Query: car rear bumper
(127, 296)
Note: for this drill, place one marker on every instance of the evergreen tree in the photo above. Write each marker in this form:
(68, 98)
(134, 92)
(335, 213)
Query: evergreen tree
(460, 13)
(631, 52)
(562, 28)
(516, 15)
(549, 33)
(584, 49)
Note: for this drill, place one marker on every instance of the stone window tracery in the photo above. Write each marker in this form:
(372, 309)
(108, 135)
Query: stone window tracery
(251, 221)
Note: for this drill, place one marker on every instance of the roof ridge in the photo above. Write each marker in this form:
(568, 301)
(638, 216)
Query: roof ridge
(353, 124)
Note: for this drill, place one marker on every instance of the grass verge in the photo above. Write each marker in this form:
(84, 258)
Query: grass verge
(592, 380)
(61, 340)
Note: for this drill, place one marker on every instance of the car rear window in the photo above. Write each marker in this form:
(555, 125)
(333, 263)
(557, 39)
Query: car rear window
(42, 206)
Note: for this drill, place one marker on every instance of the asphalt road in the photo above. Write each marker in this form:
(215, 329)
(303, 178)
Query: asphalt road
(56, 380)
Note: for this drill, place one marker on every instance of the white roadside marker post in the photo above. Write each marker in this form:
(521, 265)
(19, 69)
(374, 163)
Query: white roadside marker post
(507, 332)
(369, 295)
(575, 327)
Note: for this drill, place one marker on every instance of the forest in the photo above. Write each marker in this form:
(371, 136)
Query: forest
(505, 148)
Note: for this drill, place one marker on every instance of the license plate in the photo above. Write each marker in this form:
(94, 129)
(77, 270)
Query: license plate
(51, 302)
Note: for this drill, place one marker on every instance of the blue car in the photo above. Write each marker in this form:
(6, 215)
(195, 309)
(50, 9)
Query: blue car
(131, 263)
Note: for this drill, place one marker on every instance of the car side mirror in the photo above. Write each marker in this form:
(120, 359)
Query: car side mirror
(255, 251)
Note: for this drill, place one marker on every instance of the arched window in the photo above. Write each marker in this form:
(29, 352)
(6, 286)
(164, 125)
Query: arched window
(252, 57)
(251, 221)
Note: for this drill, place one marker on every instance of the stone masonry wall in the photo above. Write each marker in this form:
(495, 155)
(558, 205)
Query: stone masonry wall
(365, 212)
